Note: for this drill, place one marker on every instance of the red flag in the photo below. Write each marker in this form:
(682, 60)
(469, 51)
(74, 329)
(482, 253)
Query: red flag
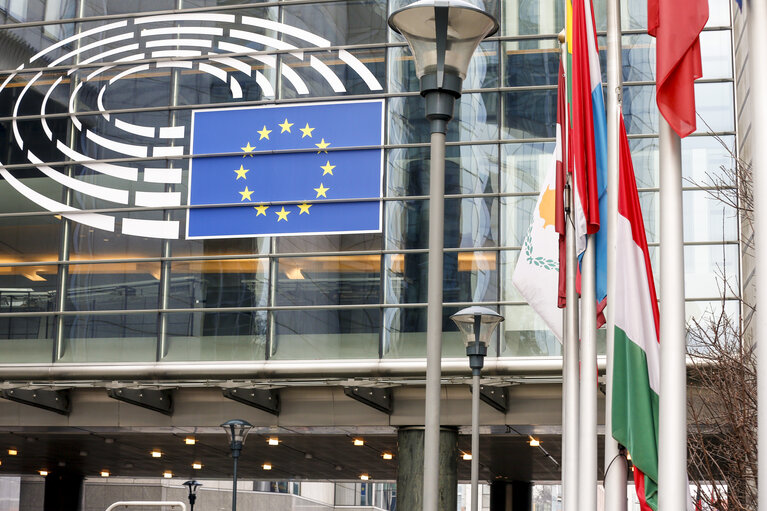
(676, 25)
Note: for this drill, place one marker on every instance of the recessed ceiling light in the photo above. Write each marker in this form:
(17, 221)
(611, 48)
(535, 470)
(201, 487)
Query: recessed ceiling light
(273, 440)
(167, 474)
(105, 473)
(364, 477)
(197, 465)
(387, 456)
(466, 456)
(358, 442)
(190, 440)
(109, 440)
(43, 472)
(83, 453)
(156, 454)
(12, 452)
(266, 466)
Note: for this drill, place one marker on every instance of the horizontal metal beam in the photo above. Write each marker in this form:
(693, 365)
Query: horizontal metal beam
(266, 369)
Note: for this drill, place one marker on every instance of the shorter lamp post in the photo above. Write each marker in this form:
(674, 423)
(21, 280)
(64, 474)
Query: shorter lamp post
(192, 486)
(477, 325)
(236, 431)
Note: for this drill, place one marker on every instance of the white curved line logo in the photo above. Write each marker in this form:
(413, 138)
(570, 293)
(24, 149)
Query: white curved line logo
(137, 40)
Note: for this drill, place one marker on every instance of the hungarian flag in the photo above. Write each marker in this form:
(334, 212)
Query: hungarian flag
(539, 273)
(636, 360)
(676, 26)
(587, 143)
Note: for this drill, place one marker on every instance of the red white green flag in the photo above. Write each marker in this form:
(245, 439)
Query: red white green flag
(636, 360)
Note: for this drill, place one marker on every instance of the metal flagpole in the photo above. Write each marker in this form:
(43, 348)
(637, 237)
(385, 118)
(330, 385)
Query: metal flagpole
(672, 441)
(756, 16)
(615, 465)
(587, 430)
(570, 384)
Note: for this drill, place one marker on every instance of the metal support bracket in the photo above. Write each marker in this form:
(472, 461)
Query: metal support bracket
(494, 396)
(56, 401)
(156, 400)
(376, 397)
(267, 400)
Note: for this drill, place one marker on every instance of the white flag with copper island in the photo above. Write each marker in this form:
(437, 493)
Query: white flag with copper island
(536, 275)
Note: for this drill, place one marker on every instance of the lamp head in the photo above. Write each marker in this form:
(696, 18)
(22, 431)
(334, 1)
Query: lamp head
(192, 486)
(442, 34)
(469, 318)
(236, 431)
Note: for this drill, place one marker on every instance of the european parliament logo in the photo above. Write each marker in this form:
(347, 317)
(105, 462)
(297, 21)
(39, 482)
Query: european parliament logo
(286, 170)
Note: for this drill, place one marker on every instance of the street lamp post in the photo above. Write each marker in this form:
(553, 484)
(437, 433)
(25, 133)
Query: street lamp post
(192, 486)
(477, 325)
(442, 35)
(236, 431)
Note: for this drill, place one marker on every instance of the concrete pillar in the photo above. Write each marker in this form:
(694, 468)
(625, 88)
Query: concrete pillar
(410, 469)
(511, 496)
(63, 491)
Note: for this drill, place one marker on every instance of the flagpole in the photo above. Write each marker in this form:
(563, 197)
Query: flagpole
(756, 17)
(570, 384)
(615, 465)
(587, 431)
(672, 441)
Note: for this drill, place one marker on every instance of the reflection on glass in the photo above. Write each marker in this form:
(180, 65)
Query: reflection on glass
(219, 283)
(405, 334)
(531, 62)
(527, 335)
(328, 243)
(88, 243)
(328, 280)
(710, 271)
(27, 239)
(468, 170)
(27, 289)
(325, 334)
(236, 335)
(517, 214)
(341, 23)
(709, 219)
(528, 17)
(530, 114)
(470, 222)
(27, 338)
(525, 166)
(110, 338)
(113, 286)
(469, 277)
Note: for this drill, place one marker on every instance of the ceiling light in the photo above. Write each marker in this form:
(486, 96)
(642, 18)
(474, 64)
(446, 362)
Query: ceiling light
(534, 442)
(109, 440)
(273, 440)
(197, 465)
(156, 454)
(83, 453)
(364, 477)
(43, 472)
(167, 474)
(466, 456)
(387, 456)
(105, 473)
(190, 440)
(358, 442)
(266, 466)
(12, 452)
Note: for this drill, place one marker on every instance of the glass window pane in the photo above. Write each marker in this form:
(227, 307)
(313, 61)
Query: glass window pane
(705, 268)
(325, 334)
(525, 166)
(517, 214)
(475, 119)
(469, 169)
(470, 222)
(530, 114)
(341, 23)
(113, 286)
(715, 106)
(527, 335)
(405, 334)
(219, 283)
(525, 17)
(328, 280)
(708, 218)
(716, 54)
(110, 338)
(197, 336)
(531, 62)
(24, 339)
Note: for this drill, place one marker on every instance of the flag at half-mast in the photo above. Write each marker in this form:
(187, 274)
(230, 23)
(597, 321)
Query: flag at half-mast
(540, 266)
(676, 26)
(587, 139)
(636, 365)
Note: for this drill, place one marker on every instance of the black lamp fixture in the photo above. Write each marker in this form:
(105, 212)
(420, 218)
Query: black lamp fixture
(236, 431)
(192, 486)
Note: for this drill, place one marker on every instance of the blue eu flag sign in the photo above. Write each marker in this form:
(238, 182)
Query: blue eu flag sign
(282, 164)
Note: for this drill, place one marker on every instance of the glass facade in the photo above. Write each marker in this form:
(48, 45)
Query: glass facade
(95, 141)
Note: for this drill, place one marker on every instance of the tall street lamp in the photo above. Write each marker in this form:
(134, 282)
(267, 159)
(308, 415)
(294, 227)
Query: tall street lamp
(442, 35)
(192, 486)
(236, 431)
(477, 325)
